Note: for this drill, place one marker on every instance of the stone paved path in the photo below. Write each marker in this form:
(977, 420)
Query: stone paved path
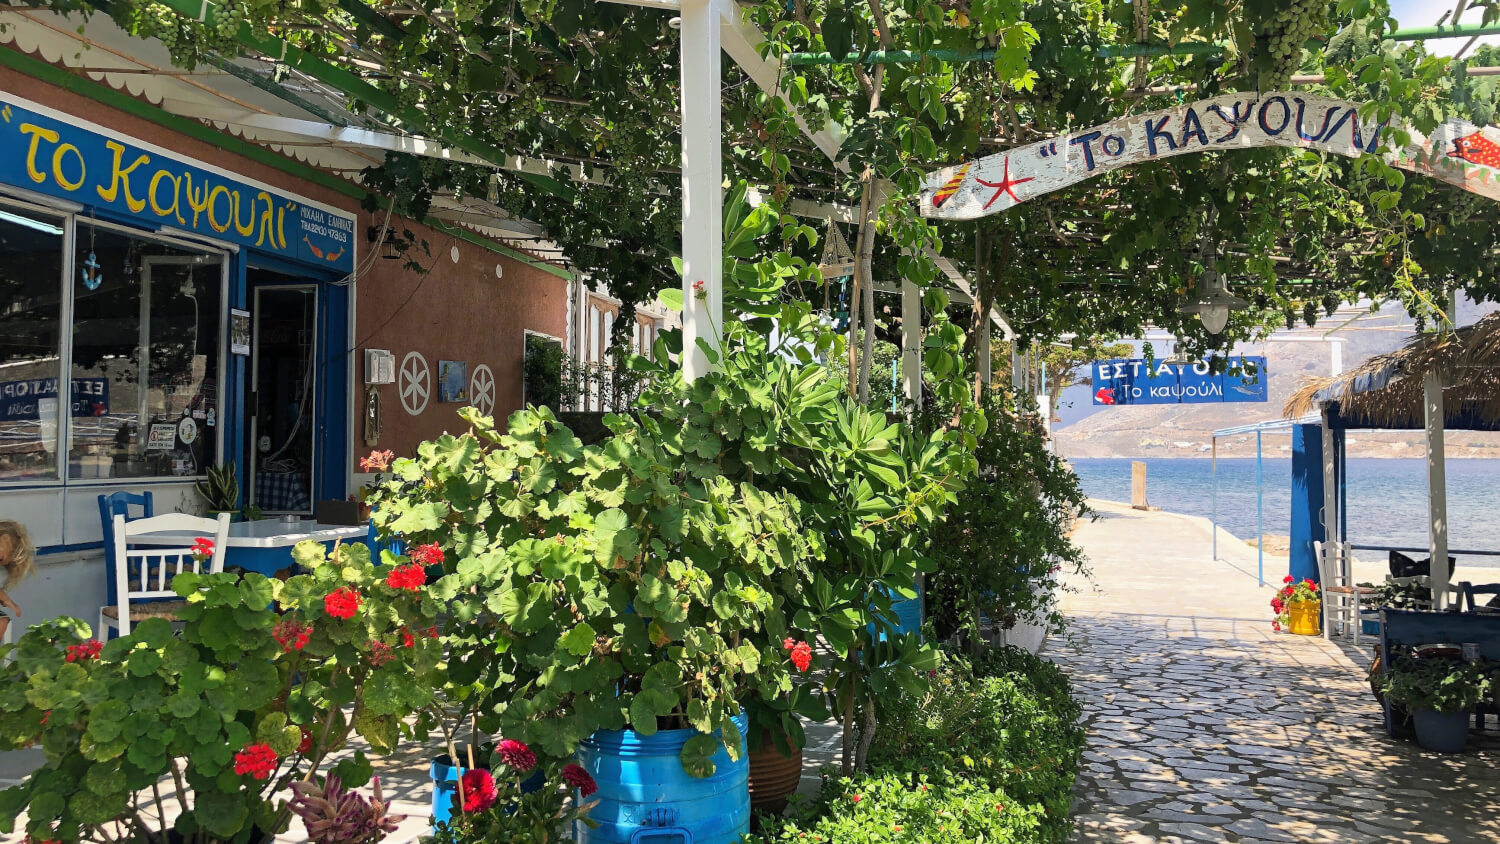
(1204, 725)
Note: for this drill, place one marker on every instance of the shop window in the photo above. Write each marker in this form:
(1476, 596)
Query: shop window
(145, 356)
(31, 259)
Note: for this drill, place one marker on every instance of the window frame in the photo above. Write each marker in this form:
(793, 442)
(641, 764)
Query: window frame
(69, 215)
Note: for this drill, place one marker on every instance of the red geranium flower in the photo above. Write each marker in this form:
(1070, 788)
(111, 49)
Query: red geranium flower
(84, 652)
(378, 461)
(577, 777)
(800, 654)
(856, 798)
(410, 577)
(1287, 579)
(380, 654)
(516, 755)
(407, 639)
(203, 548)
(342, 602)
(479, 790)
(291, 634)
(306, 744)
(257, 760)
(428, 555)
(432, 632)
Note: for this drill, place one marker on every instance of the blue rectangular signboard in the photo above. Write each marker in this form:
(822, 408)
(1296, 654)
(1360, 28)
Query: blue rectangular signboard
(1133, 381)
(52, 154)
(18, 399)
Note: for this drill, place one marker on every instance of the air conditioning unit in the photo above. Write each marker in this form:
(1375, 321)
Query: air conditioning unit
(380, 366)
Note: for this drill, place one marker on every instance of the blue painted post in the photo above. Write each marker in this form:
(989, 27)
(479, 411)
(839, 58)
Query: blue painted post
(1307, 499)
(1260, 506)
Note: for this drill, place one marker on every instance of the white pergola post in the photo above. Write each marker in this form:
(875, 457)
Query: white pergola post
(702, 185)
(1330, 520)
(1437, 488)
(911, 341)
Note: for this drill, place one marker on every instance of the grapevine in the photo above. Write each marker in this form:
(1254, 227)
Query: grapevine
(1283, 37)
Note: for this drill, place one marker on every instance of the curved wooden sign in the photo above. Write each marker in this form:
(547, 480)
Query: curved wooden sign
(1458, 153)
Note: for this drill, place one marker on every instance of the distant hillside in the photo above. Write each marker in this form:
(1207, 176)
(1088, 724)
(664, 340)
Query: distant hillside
(1186, 430)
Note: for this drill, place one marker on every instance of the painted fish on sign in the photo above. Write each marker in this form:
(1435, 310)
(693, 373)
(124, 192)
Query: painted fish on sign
(1458, 153)
(1135, 381)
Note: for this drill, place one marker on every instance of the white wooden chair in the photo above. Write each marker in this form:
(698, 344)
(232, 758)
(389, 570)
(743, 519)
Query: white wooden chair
(1341, 597)
(144, 574)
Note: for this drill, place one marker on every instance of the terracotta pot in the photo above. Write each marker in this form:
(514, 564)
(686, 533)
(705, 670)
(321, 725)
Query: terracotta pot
(773, 777)
(1305, 618)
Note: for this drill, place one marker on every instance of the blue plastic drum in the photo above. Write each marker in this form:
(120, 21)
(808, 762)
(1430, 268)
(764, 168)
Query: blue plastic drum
(645, 797)
(445, 787)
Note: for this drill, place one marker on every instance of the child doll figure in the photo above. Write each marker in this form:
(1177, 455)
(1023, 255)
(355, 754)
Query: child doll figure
(16, 556)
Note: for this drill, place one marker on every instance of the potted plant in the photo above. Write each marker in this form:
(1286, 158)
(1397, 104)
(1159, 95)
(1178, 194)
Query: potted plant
(1299, 607)
(520, 807)
(220, 489)
(230, 710)
(1441, 695)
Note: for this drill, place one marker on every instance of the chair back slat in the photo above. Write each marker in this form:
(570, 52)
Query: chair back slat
(145, 572)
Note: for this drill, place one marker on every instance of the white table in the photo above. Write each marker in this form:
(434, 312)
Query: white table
(263, 545)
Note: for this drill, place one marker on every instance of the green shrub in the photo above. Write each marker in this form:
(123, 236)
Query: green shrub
(883, 808)
(1006, 722)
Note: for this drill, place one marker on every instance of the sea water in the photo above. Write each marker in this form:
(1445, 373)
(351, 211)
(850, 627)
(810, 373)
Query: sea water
(1387, 497)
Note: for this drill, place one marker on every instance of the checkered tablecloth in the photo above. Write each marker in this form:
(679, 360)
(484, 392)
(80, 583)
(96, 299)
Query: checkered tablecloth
(282, 491)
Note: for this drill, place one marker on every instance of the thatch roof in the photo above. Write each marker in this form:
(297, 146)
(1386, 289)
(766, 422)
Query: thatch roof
(1386, 390)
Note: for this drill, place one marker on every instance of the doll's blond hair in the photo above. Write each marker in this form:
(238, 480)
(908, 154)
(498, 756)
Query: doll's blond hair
(22, 555)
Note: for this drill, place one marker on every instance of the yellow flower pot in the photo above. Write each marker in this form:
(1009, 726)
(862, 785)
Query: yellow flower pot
(1306, 618)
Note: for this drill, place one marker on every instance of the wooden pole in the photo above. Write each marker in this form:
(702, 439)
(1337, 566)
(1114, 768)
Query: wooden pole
(1437, 488)
(702, 186)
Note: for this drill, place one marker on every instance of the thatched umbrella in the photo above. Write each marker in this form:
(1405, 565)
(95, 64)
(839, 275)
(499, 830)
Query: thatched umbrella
(1386, 391)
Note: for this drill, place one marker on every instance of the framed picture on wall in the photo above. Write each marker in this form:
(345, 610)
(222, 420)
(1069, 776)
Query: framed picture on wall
(239, 331)
(453, 380)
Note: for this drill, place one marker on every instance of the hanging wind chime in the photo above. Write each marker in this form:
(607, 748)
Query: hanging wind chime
(837, 264)
(92, 277)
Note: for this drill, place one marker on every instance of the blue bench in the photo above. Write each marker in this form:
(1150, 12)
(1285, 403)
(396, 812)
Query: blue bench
(1411, 628)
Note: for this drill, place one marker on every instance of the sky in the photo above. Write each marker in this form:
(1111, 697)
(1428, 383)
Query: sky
(1426, 13)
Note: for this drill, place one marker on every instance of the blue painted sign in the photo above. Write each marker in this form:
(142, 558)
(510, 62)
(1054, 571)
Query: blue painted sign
(1133, 381)
(18, 399)
(54, 156)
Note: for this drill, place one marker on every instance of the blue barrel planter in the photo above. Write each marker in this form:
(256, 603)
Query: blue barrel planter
(907, 615)
(645, 797)
(445, 786)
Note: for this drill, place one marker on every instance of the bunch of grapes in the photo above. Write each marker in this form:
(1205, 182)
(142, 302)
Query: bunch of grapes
(1310, 313)
(1282, 38)
(1330, 303)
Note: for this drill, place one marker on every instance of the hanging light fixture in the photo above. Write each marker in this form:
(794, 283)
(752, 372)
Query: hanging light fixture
(1214, 301)
(390, 248)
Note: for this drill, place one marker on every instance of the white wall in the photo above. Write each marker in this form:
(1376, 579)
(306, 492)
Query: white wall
(71, 584)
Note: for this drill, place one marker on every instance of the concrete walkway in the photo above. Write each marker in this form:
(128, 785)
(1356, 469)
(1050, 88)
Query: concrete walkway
(1204, 725)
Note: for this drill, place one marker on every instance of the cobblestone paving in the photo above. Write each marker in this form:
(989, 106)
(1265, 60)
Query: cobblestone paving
(1204, 725)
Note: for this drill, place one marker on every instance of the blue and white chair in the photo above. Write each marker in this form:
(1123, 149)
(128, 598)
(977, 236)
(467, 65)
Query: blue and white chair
(143, 576)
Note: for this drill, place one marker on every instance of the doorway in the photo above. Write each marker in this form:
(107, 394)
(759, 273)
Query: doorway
(283, 393)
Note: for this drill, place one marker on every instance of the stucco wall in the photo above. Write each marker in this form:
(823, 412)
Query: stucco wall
(460, 310)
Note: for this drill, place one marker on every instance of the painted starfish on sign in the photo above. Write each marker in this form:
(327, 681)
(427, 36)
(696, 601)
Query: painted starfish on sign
(1005, 185)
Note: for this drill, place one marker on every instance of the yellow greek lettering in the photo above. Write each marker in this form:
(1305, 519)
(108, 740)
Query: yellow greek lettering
(159, 209)
(281, 227)
(121, 176)
(37, 134)
(57, 167)
(249, 228)
(197, 201)
(212, 196)
(267, 219)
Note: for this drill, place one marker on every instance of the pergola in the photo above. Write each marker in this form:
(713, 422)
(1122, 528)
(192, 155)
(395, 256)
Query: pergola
(1437, 382)
(276, 95)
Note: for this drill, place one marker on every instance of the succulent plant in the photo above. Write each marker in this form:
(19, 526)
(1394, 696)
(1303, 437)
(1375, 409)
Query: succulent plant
(335, 815)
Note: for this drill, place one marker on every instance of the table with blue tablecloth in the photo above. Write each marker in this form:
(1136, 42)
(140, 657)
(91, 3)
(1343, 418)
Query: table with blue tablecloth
(277, 492)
